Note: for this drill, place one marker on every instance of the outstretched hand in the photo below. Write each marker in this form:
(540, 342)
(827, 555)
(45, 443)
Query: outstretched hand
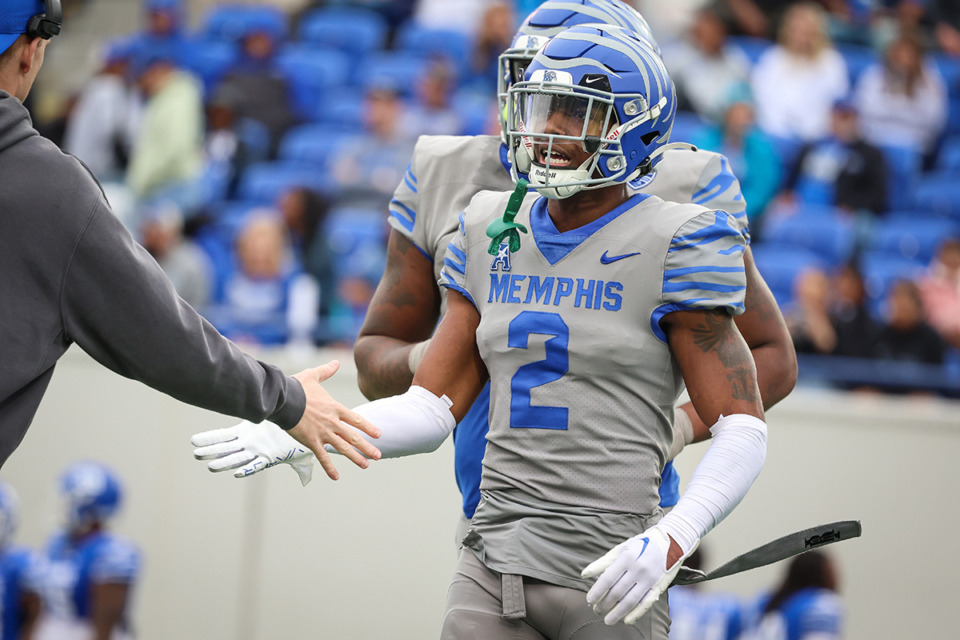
(326, 421)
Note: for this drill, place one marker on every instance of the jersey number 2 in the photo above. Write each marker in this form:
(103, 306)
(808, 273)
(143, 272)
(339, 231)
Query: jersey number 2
(523, 414)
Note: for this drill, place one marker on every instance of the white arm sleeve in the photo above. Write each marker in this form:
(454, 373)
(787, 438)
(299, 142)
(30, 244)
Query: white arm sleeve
(721, 480)
(414, 422)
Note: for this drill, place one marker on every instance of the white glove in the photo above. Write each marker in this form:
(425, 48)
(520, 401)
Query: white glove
(252, 448)
(633, 575)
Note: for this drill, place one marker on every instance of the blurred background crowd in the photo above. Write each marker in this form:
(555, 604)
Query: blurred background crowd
(254, 149)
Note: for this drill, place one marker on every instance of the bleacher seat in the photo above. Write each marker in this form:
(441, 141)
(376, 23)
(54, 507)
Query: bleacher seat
(478, 113)
(343, 107)
(787, 150)
(266, 181)
(753, 48)
(315, 144)
(780, 266)
(451, 45)
(903, 173)
(857, 59)
(231, 22)
(358, 237)
(938, 195)
(832, 238)
(949, 68)
(400, 71)
(312, 73)
(948, 159)
(352, 30)
(915, 240)
(209, 60)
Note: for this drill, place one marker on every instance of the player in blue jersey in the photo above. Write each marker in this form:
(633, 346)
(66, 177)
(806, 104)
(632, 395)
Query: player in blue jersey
(90, 572)
(804, 606)
(702, 615)
(19, 572)
(586, 331)
(444, 174)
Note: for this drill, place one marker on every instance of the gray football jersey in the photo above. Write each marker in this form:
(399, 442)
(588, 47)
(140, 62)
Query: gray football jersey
(444, 174)
(583, 383)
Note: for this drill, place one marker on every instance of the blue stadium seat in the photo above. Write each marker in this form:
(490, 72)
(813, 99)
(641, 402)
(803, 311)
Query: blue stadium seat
(753, 48)
(352, 30)
(915, 240)
(312, 73)
(948, 159)
(687, 126)
(359, 238)
(831, 238)
(401, 71)
(478, 113)
(209, 60)
(266, 181)
(938, 195)
(315, 144)
(787, 149)
(858, 59)
(903, 172)
(343, 107)
(429, 43)
(949, 68)
(881, 272)
(780, 266)
(231, 22)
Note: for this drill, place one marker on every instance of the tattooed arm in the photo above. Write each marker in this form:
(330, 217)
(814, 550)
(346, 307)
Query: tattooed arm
(404, 312)
(765, 332)
(715, 362)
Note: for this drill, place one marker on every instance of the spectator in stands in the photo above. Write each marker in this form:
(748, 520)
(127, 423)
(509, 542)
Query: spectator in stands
(268, 299)
(165, 20)
(305, 211)
(841, 169)
(705, 69)
(752, 156)
(433, 114)
(255, 89)
(369, 169)
(940, 289)
(907, 336)
(808, 316)
(102, 125)
(903, 101)
(167, 156)
(856, 330)
(456, 15)
(493, 38)
(796, 81)
(750, 19)
(946, 18)
(805, 604)
(186, 264)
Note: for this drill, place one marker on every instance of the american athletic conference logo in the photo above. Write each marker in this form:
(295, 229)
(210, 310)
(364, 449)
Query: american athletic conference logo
(502, 261)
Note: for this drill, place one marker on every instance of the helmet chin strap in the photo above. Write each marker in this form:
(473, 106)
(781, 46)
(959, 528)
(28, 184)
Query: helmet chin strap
(559, 188)
(647, 165)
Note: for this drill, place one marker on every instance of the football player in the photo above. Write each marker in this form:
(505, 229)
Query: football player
(89, 571)
(444, 173)
(19, 572)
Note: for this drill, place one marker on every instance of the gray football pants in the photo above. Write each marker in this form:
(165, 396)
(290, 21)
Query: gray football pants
(475, 610)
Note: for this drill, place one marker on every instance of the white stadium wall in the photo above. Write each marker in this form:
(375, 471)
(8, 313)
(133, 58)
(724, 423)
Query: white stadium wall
(370, 556)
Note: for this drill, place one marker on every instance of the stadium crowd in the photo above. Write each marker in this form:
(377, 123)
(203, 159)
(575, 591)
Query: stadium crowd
(256, 154)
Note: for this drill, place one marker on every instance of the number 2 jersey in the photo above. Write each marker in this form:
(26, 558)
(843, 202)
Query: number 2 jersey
(447, 171)
(582, 382)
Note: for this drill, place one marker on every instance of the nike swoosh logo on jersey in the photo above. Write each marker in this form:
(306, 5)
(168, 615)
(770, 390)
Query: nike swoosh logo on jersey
(605, 259)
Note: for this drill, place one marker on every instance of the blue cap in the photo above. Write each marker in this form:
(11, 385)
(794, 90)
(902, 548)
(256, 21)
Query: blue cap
(14, 16)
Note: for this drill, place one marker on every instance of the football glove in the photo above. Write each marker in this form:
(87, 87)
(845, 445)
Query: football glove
(250, 448)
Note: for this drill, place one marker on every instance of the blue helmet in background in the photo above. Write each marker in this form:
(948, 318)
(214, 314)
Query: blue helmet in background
(613, 94)
(549, 19)
(9, 513)
(92, 493)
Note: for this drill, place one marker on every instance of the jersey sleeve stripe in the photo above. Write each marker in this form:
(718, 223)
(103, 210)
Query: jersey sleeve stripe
(410, 173)
(670, 274)
(459, 268)
(408, 220)
(673, 287)
(410, 184)
(450, 283)
(460, 255)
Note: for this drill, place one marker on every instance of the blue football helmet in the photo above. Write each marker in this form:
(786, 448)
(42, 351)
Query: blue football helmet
(9, 513)
(549, 19)
(92, 493)
(601, 87)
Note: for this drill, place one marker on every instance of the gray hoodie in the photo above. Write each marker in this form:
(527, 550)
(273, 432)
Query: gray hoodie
(70, 272)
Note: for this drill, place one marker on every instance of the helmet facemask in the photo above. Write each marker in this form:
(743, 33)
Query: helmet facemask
(511, 66)
(568, 138)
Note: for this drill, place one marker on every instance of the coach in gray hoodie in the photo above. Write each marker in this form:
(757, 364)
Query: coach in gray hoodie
(70, 272)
